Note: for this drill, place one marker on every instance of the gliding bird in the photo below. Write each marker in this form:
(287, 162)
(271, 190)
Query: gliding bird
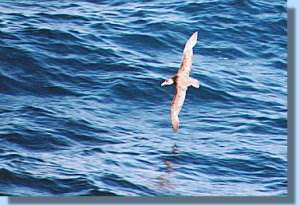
(182, 80)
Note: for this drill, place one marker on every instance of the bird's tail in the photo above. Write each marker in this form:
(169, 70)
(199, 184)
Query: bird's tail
(191, 42)
(193, 82)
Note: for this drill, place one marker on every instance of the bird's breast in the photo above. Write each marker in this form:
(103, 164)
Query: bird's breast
(182, 82)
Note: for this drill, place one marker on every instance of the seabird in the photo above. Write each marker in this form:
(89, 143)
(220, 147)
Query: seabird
(182, 80)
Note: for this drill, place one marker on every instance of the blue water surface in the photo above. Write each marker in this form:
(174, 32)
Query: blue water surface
(82, 111)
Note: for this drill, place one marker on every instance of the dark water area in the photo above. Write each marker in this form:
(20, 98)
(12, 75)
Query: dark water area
(83, 113)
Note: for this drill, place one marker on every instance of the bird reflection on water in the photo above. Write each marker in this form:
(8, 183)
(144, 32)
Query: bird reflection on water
(164, 181)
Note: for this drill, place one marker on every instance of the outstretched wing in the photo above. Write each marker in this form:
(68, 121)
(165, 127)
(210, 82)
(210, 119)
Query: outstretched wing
(187, 57)
(176, 106)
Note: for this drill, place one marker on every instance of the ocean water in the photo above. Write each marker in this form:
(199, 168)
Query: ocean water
(82, 111)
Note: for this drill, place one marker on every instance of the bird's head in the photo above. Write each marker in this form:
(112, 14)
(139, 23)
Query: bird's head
(169, 81)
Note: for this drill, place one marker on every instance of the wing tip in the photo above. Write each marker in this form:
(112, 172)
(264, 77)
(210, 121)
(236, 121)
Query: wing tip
(175, 125)
(194, 37)
(195, 34)
(191, 42)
